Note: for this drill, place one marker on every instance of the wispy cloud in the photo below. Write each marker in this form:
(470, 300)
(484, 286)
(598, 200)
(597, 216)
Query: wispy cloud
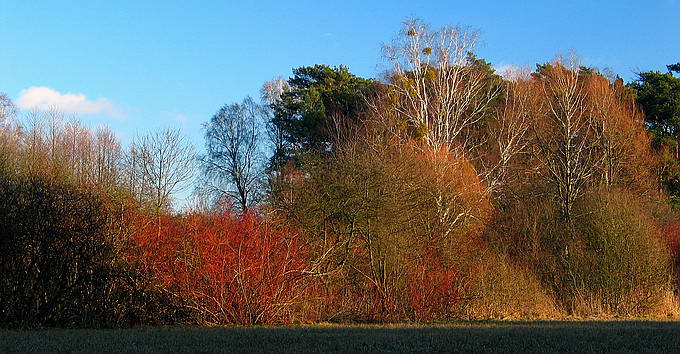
(45, 98)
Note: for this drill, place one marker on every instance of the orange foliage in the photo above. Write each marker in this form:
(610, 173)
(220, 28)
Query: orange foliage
(627, 158)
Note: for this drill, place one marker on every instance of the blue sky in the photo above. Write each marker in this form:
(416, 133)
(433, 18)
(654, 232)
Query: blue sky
(141, 65)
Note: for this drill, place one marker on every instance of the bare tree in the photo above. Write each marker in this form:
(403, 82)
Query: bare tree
(9, 131)
(232, 163)
(436, 83)
(271, 91)
(508, 135)
(270, 94)
(564, 134)
(160, 165)
(33, 143)
(76, 146)
(107, 157)
(7, 108)
(441, 91)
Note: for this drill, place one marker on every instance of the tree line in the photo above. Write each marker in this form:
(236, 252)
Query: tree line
(440, 190)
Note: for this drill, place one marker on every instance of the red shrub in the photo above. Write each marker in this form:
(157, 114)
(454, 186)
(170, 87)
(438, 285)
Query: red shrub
(158, 243)
(434, 289)
(252, 269)
(672, 237)
(227, 269)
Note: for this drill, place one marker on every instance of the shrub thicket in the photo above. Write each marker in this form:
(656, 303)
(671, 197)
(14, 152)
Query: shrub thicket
(394, 229)
(614, 259)
(609, 258)
(225, 269)
(61, 261)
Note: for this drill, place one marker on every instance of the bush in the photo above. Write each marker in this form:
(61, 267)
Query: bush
(226, 269)
(615, 261)
(609, 258)
(671, 233)
(507, 289)
(60, 263)
(394, 229)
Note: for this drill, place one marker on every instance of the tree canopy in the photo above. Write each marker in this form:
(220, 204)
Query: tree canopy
(318, 95)
(658, 94)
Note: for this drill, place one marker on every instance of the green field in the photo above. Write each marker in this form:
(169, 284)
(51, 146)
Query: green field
(598, 336)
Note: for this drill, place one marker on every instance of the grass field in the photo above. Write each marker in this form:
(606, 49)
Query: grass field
(623, 336)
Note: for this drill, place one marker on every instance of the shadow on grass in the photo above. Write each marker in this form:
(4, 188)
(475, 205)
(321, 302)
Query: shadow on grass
(570, 336)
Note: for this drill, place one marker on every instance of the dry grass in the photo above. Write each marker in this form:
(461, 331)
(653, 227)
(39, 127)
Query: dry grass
(562, 336)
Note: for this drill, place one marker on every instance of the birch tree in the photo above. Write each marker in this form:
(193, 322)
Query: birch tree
(509, 133)
(270, 94)
(435, 83)
(564, 134)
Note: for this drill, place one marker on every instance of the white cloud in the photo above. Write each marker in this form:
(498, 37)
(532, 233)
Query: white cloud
(511, 71)
(44, 98)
